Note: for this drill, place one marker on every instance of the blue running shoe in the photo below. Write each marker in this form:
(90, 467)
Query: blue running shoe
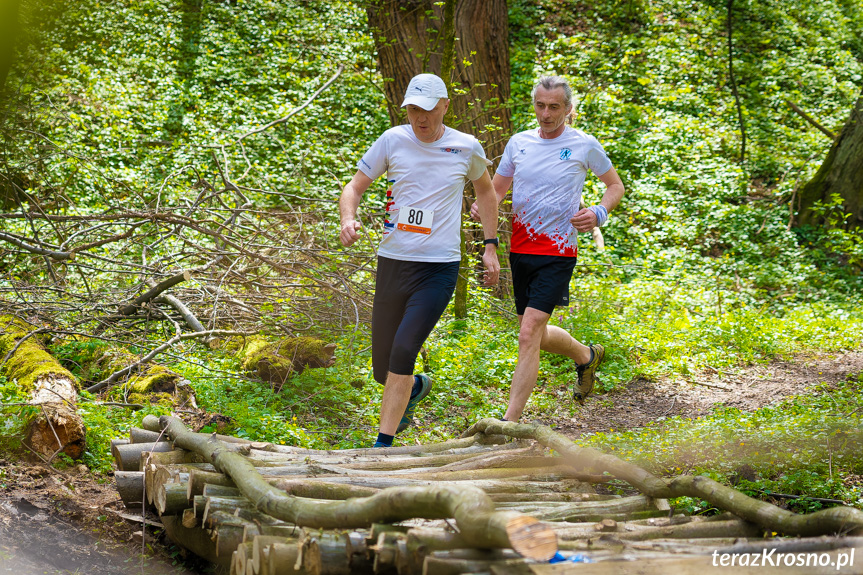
(425, 388)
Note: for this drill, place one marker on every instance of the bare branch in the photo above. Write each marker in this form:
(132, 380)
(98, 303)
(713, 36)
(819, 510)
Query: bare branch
(53, 254)
(298, 109)
(130, 308)
(129, 369)
(811, 120)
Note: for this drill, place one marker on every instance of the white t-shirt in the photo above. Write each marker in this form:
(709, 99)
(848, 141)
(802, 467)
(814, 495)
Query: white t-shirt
(548, 177)
(423, 177)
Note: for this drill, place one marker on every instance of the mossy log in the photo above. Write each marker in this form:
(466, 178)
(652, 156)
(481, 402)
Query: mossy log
(825, 522)
(54, 427)
(104, 361)
(472, 510)
(277, 361)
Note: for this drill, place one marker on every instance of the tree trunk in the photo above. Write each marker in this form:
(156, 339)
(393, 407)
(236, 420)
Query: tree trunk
(770, 517)
(411, 38)
(8, 30)
(54, 427)
(841, 173)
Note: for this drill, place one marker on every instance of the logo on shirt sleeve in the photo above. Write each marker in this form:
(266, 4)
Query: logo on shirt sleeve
(565, 153)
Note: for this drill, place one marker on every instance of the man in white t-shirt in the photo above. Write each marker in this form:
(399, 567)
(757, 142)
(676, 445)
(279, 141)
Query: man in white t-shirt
(427, 166)
(547, 168)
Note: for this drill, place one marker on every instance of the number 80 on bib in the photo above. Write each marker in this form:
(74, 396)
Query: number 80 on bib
(415, 220)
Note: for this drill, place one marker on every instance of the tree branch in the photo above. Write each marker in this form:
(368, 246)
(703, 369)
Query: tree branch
(811, 120)
(130, 308)
(768, 516)
(298, 109)
(53, 254)
(127, 370)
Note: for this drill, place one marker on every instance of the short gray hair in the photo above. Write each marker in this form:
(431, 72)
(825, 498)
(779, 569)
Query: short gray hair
(552, 83)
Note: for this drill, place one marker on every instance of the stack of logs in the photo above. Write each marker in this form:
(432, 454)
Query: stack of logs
(390, 510)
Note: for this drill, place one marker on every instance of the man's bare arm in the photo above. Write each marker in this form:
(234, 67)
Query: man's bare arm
(585, 220)
(486, 202)
(348, 205)
(501, 186)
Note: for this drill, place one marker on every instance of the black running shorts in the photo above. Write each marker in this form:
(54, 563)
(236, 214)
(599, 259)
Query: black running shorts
(409, 299)
(540, 282)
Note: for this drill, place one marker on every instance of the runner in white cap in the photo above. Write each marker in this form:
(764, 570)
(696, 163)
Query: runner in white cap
(427, 166)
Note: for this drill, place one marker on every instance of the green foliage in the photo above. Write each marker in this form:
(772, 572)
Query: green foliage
(124, 103)
(15, 414)
(99, 82)
(653, 89)
(803, 446)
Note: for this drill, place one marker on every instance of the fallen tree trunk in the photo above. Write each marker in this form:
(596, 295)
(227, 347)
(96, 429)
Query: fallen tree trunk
(825, 522)
(54, 427)
(473, 511)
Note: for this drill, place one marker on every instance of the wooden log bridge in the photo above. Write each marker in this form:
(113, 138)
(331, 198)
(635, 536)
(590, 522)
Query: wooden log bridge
(503, 498)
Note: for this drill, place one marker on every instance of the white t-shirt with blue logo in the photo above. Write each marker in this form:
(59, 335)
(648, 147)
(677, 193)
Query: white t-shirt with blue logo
(426, 187)
(548, 177)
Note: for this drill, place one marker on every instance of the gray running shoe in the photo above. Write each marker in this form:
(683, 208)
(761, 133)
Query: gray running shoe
(587, 374)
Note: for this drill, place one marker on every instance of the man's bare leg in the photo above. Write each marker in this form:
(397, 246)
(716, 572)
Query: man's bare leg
(397, 394)
(534, 335)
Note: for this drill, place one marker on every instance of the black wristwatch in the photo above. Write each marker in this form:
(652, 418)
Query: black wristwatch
(487, 241)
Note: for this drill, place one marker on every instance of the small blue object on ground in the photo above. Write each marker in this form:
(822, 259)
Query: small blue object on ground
(575, 558)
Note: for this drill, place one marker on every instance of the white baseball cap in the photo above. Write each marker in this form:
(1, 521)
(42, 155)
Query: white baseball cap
(424, 91)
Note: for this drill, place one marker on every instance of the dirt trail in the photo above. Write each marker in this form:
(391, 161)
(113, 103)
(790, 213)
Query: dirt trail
(746, 389)
(63, 522)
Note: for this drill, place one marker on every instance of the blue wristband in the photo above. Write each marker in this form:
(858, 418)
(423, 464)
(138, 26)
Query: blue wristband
(601, 214)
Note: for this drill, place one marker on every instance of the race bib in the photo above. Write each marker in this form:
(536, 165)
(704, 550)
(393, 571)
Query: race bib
(415, 220)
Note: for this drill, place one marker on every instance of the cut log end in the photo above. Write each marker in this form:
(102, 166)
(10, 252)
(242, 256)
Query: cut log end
(61, 424)
(531, 539)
